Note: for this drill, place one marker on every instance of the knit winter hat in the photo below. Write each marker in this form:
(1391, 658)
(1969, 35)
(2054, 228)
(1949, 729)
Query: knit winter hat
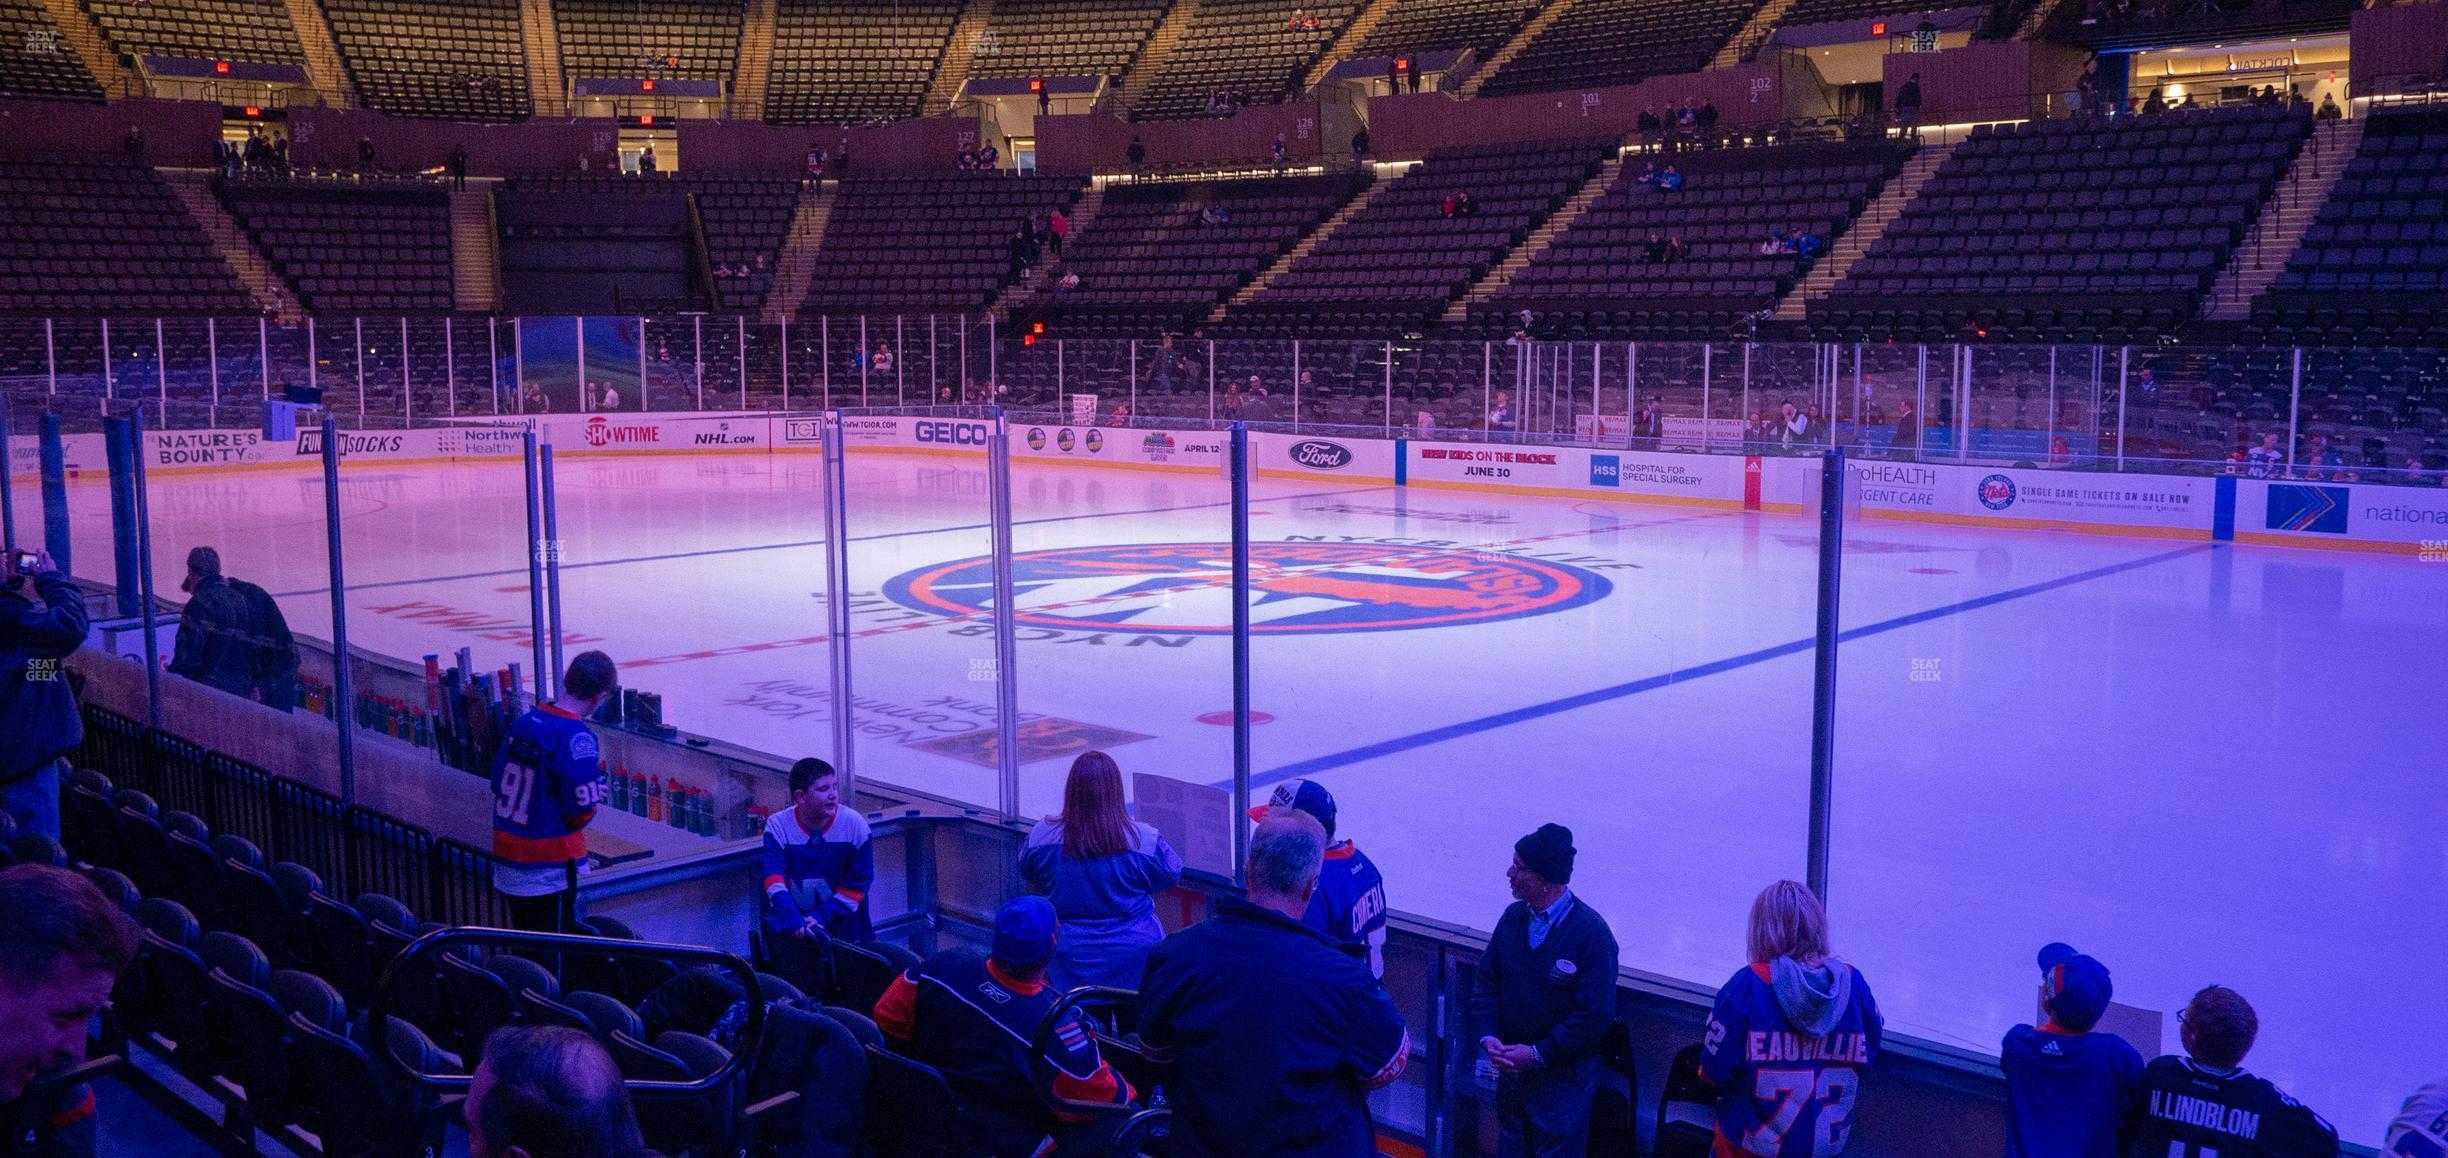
(1548, 852)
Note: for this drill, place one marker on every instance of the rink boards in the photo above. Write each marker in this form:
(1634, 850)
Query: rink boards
(2336, 515)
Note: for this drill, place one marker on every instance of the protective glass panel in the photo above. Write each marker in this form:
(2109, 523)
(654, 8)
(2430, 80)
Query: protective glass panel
(2002, 618)
(136, 370)
(1122, 579)
(435, 544)
(239, 539)
(736, 646)
(78, 363)
(919, 512)
(1566, 616)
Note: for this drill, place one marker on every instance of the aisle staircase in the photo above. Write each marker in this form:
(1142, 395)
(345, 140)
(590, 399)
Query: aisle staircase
(1755, 32)
(325, 69)
(755, 64)
(795, 266)
(1864, 232)
(1309, 241)
(541, 36)
(1023, 289)
(80, 35)
(195, 191)
(1362, 23)
(475, 250)
(952, 69)
(1522, 39)
(1153, 55)
(1540, 240)
(2290, 211)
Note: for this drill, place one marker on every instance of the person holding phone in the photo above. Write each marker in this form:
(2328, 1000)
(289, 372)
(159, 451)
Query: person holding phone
(42, 622)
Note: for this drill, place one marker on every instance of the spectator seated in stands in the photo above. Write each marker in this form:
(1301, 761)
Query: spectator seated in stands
(817, 861)
(2205, 1101)
(1808, 245)
(1103, 871)
(976, 1017)
(547, 1091)
(1676, 250)
(1070, 280)
(2066, 1087)
(1648, 173)
(1654, 252)
(1670, 179)
(66, 945)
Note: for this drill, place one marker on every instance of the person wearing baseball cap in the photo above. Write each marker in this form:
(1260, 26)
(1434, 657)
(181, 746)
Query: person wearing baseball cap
(975, 1017)
(1349, 904)
(215, 643)
(2066, 1086)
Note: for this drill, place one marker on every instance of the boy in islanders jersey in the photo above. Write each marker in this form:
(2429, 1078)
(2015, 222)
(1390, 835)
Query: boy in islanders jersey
(547, 780)
(2068, 1090)
(2204, 1105)
(817, 861)
(1349, 904)
(1789, 1037)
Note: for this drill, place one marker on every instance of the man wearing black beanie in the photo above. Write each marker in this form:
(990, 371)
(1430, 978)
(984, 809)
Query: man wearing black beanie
(1545, 994)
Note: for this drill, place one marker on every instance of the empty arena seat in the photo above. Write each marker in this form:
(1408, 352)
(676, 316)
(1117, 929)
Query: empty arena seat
(243, 30)
(35, 60)
(746, 217)
(98, 237)
(459, 60)
(1245, 48)
(1039, 38)
(1150, 262)
(916, 244)
(838, 63)
(1399, 261)
(351, 250)
(1604, 42)
(2117, 224)
(1439, 25)
(1731, 201)
(2374, 265)
(669, 39)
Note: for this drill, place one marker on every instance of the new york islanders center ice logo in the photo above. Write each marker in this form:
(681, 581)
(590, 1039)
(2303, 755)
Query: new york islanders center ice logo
(1186, 588)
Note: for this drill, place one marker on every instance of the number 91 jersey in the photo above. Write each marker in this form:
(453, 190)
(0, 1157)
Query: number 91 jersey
(546, 784)
(1784, 1091)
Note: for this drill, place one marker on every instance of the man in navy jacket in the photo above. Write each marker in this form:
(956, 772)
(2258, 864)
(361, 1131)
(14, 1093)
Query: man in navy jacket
(1545, 993)
(1279, 1033)
(38, 711)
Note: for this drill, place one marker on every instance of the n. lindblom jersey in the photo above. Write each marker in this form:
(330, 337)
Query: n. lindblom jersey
(1782, 1093)
(1350, 904)
(2190, 1110)
(2421, 1130)
(547, 781)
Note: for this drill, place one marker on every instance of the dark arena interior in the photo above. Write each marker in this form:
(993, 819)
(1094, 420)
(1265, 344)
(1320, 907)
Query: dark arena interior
(1895, 492)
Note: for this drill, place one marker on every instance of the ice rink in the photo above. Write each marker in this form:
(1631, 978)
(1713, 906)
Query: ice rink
(2201, 763)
